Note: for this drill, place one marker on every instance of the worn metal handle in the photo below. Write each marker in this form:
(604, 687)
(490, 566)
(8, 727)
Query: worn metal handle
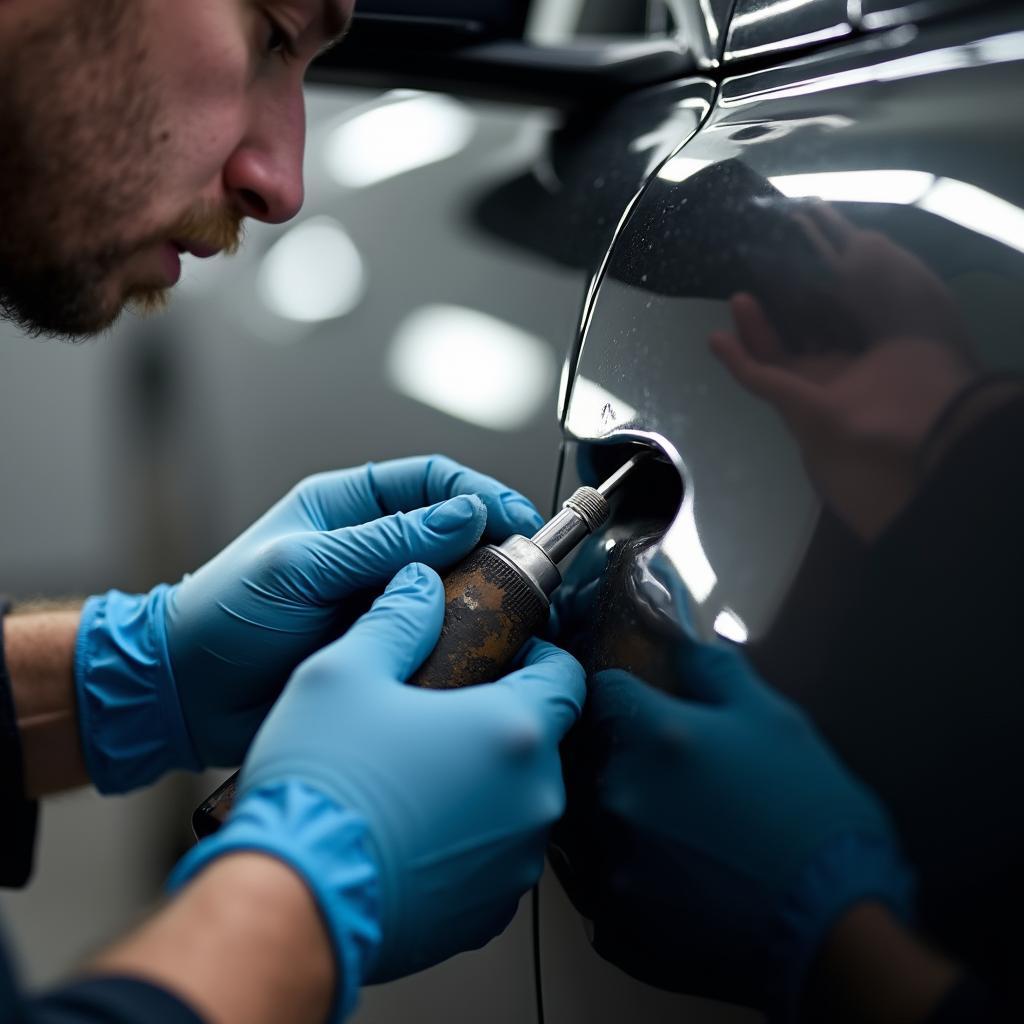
(491, 610)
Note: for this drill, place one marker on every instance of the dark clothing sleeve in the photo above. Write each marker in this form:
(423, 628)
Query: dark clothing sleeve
(108, 1001)
(19, 816)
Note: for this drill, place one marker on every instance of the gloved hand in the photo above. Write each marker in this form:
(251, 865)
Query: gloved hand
(417, 817)
(731, 838)
(183, 676)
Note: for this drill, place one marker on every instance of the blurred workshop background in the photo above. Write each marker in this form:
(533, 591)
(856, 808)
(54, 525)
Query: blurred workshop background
(383, 322)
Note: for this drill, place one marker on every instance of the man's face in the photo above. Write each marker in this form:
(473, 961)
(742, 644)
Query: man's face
(134, 130)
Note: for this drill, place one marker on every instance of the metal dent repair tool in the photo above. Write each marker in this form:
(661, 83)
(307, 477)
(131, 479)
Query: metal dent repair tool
(499, 597)
(495, 601)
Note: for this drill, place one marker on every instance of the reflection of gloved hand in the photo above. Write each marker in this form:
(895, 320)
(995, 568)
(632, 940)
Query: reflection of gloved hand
(859, 417)
(733, 838)
(182, 677)
(424, 810)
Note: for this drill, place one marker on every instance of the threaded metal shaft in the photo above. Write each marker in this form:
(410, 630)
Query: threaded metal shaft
(590, 505)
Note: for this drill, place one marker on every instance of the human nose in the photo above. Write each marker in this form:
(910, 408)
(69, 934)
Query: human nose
(264, 174)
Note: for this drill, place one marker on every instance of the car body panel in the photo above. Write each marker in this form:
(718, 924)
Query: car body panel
(881, 14)
(700, 26)
(760, 27)
(869, 195)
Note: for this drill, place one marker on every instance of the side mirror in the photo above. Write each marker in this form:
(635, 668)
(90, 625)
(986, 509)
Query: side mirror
(477, 48)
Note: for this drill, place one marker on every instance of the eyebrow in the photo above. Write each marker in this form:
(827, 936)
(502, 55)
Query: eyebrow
(336, 25)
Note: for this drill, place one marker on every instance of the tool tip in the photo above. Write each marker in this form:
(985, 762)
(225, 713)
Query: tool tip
(615, 480)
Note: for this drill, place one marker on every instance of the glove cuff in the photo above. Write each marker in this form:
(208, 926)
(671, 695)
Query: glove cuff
(851, 869)
(129, 716)
(326, 845)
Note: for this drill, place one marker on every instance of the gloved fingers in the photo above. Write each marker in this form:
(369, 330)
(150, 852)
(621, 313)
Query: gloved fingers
(394, 637)
(350, 497)
(409, 483)
(551, 683)
(356, 557)
(621, 707)
(716, 673)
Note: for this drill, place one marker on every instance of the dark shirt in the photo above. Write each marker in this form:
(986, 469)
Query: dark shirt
(18, 814)
(103, 1000)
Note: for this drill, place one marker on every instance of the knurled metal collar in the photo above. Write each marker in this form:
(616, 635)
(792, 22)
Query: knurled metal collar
(590, 505)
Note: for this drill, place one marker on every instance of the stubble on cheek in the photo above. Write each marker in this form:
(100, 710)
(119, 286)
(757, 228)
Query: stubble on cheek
(84, 147)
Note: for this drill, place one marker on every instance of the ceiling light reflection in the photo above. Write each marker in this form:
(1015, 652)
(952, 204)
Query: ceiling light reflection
(472, 366)
(313, 273)
(679, 168)
(768, 12)
(397, 137)
(682, 547)
(1006, 48)
(974, 208)
(956, 201)
(729, 625)
(883, 186)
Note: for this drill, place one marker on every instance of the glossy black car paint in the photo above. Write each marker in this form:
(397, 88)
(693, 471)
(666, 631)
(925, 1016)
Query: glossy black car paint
(870, 196)
(855, 166)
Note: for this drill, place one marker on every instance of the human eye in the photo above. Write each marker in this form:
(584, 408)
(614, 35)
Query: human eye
(278, 40)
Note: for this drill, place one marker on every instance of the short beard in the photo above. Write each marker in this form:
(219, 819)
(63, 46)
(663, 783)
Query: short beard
(81, 152)
(60, 301)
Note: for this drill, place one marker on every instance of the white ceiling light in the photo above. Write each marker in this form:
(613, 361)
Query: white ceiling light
(883, 186)
(471, 366)
(397, 137)
(313, 273)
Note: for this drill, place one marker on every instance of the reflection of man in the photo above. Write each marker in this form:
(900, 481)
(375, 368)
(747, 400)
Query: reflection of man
(379, 828)
(738, 856)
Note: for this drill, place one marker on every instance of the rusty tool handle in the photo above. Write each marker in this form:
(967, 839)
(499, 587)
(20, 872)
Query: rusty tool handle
(490, 612)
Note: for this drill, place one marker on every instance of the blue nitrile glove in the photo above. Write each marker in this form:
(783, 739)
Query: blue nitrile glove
(734, 838)
(449, 793)
(182, 677)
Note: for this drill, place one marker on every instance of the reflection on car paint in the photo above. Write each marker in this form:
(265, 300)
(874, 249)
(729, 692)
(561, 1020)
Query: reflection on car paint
(814, 310)
(571, 206)
(767, 26)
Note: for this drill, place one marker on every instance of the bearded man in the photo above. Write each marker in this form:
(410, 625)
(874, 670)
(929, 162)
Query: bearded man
(379, 828)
